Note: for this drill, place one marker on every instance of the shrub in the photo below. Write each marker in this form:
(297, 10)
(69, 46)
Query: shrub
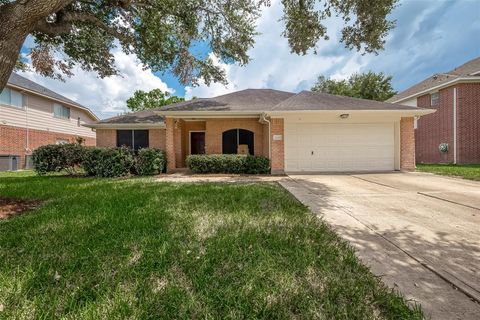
(108, 162)
(228, 163)
(257, 165)
(55, 158)
(150, 162)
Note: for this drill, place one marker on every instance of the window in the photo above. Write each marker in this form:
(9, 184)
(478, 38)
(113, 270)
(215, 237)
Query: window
(61, 141)
(232, 138)
(60, 111)
(12, 98)
(134, 139)
(434, 99)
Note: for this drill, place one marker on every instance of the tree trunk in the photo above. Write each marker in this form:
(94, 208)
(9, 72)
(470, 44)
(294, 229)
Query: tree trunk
(10, 46)
(17, 21)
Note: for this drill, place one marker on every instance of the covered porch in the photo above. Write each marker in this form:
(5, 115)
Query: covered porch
(244, 135)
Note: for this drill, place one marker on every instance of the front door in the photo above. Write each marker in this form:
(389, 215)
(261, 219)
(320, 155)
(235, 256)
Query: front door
(197, 142)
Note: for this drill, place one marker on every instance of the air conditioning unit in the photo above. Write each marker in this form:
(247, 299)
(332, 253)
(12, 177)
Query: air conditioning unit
(9, 162)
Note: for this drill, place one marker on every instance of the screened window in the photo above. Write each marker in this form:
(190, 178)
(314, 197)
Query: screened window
(12, 98)
(60, 111)
(232, 138)
(134, 139)
(434, 99)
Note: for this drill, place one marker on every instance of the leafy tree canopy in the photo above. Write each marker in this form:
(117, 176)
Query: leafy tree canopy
(155, 98)
(370, 85)
(163, 33)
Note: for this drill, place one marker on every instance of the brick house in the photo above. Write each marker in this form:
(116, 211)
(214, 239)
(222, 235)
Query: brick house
(455, 95)
(32, 115)
(304, 132)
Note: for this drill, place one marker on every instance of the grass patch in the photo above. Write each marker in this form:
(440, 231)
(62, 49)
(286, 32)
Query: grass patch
(136, 248)
(466, 171)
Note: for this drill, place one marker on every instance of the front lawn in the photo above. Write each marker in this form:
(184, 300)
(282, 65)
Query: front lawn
(466, 171)
(136, 248)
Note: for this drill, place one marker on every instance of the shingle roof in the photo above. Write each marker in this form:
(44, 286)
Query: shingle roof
(146, 117)
(308, 100)
(19, 81)
(245, 100)
(465, 70)
(258, 101)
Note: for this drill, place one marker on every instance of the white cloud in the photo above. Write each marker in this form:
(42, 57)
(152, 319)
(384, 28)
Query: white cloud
(106, 97)
(274, 66)
(430, 36)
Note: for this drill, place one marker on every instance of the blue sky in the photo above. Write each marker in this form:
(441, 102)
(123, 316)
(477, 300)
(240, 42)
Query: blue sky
(431, 36)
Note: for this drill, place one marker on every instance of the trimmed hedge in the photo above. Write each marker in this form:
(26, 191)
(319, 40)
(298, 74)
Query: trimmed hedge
(150, 162)
(228, 163)
(108, 162)
(99, 162)
(58, 157)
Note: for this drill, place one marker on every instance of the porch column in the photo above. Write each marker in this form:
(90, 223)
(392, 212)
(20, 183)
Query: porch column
(170, 143)
(407, 144)
(277, 144)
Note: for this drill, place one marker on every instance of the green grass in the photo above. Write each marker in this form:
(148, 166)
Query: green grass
(136, 248)
(466, 171)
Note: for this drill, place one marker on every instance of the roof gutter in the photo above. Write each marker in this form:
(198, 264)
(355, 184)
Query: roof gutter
(223, 114)
(407, 112)
(159, 125)
(440, 86)
(210, 114)
(90, 112)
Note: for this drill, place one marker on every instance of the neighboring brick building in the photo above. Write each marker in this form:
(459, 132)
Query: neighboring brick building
(300, 132)
(32, 115)
(456, 97)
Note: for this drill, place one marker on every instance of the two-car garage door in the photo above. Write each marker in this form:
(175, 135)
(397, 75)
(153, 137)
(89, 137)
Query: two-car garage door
(339, 147)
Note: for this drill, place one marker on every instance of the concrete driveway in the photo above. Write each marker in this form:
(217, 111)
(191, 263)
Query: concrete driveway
(421, 232)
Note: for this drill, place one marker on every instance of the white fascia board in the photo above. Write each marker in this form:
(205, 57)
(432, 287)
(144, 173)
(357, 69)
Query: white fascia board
(160, 125)
(210, 114)
(409, 113)
(90, 112)
(438, 87)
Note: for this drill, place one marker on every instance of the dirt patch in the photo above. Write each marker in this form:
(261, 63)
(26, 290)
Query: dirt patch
(11, 207)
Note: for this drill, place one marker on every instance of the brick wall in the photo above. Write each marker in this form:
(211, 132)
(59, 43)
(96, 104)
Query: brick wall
(215, 128)
(435, 128)
(156, 138)
(278, 150)
(468, 123)
(170, 143)
(106, 137)
(407, 144)
(13, 140)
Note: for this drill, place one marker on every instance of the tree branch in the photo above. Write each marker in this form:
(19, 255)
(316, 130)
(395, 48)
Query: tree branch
(68, 20)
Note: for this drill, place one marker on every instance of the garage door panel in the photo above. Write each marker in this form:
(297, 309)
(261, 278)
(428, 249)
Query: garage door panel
(339, 147)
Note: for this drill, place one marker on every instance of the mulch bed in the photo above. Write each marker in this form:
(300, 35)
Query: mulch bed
(10, 207)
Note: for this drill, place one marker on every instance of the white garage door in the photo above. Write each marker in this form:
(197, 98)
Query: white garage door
(339, 147)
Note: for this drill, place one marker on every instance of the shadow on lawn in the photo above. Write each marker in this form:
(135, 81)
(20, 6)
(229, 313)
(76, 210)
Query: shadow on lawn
(106, 248)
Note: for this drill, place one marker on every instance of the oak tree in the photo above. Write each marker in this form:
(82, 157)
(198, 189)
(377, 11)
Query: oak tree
(163, 33)
(142, 100)
(369, 85)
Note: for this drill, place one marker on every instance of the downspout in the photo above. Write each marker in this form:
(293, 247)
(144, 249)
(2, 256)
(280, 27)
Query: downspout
(455, 125)
(264, 119)
(27, 138)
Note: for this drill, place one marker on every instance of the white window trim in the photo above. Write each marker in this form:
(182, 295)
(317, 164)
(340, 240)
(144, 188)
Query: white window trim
(61, 118)
(10, 105)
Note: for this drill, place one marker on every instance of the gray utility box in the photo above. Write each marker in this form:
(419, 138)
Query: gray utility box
(9, 162)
